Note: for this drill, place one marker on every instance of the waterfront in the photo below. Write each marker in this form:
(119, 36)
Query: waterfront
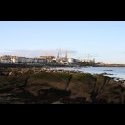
(117, 72)
(36, 85)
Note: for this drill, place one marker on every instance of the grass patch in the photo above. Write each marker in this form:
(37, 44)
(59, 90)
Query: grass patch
(84, 78)
(52, 76)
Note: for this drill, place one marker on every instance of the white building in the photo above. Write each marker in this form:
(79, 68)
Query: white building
(5, 59)
(41, 60)
(35, 60)
(16, 59)
(21, 59)
(72, 60)
(28, 60)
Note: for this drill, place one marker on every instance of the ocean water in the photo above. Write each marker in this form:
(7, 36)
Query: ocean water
(116, 72)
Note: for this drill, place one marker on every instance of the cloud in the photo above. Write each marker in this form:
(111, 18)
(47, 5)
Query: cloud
(36, 53)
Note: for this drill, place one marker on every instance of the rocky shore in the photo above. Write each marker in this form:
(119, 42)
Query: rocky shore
(48, 86)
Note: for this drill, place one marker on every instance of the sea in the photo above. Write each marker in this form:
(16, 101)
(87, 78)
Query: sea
(114, 72)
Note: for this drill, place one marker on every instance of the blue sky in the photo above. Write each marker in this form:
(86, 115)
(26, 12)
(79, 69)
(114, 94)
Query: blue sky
(103, 40)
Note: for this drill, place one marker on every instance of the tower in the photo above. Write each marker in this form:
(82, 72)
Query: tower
(58, 55)
(66, 56)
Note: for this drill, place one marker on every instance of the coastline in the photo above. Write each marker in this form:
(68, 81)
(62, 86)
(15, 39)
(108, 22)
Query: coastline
(45, 86)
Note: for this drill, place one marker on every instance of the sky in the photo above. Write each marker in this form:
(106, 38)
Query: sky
(102, 40)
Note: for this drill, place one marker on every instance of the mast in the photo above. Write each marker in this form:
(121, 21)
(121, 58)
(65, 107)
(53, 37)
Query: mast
(66, 56)
(58, 55)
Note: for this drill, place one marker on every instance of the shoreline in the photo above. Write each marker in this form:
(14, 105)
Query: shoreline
(52, 68)
(111, 75)
(57, 65)
(41, 85)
